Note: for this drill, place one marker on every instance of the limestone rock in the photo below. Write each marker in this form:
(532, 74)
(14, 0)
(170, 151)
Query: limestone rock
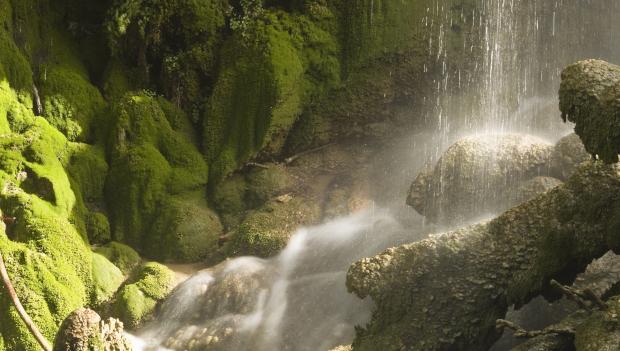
(590, 97)
(478, 175)
(445, 292)
(83, 330)
(567, 154)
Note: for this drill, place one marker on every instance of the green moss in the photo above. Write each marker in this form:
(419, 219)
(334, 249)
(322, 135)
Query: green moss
(136, 302)
(87, 167)
(186, 231)
(98, 228)
(122, 256)
(229, 200)
(117, 81)
(133, 307)
(154, 169)
(107, 278)
(70, 102)
(600, 331)
(265, 231)
(182, 66)
(264, 184)
(258, 96)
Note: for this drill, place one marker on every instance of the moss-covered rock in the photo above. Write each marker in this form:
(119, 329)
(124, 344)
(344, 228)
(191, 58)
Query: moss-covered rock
(600, 331)
(568, 153)
(477, 176)
(121, 255)
(589, 97)
(265, 183)
(153, 170)
(265, 231)
(135, 302)
(191, 229)
(106, 279)
(265, 88)
(228, 199)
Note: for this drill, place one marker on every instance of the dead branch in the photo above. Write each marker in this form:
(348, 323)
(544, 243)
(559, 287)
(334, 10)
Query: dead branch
(584, 298)
(290, 159)
(520, 332)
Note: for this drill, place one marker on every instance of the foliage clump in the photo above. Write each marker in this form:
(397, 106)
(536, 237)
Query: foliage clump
(135, 302)
(156, 187)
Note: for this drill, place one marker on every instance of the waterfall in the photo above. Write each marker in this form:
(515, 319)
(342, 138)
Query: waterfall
(294, 301)
(502, 75)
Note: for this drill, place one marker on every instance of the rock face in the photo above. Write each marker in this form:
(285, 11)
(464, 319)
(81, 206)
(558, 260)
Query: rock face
(590, 97)
(446, 292)
(567, 154)
(83, 330)
(478, 176)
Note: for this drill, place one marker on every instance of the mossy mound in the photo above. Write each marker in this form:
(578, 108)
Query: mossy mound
(600, 331)
(48, 260)
(157, 179)
(192, 229)
(107, 278)
(285, 61)
(265, 183)
(266, 231)
(228, 199)
(121, 255)
(135, 302)
(589, 97)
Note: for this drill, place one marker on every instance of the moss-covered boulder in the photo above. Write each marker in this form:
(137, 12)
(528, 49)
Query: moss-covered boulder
(228, 199)
(106, 279)
(121, 255)
(478, 176)
(48, 260)
(589, 97)
(568, 153)
(258, 96)
(266, 230)
(135, 302)
(156, 187)
(266, 183)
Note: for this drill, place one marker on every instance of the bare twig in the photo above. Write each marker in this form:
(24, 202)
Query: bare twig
(519, 332)
(584, 298)
(296, 156)
(20, 309)
(256, 164)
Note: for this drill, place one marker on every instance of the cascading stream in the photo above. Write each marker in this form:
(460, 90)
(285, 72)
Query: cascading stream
(297, 300)
(294, 301)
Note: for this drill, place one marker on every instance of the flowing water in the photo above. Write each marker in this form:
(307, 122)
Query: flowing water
(504, 79)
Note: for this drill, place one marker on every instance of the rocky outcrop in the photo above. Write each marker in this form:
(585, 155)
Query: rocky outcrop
(447, 291)
(590, 97)
(84, 330)
(568, 153)
(479, 175)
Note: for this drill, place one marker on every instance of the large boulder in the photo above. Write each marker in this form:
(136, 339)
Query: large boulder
(567, 155)
(477, 176)
(590, 97)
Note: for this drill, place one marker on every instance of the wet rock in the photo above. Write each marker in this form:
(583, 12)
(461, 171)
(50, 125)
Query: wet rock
(343, 348)
(535, 186)
(478, 271)
(567, 155)
(84, 330)
(590, 97)
(477, 176)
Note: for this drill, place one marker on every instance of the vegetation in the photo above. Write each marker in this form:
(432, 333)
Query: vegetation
(123, 122)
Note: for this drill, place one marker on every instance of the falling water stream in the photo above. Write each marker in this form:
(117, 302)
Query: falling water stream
(298, 300)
